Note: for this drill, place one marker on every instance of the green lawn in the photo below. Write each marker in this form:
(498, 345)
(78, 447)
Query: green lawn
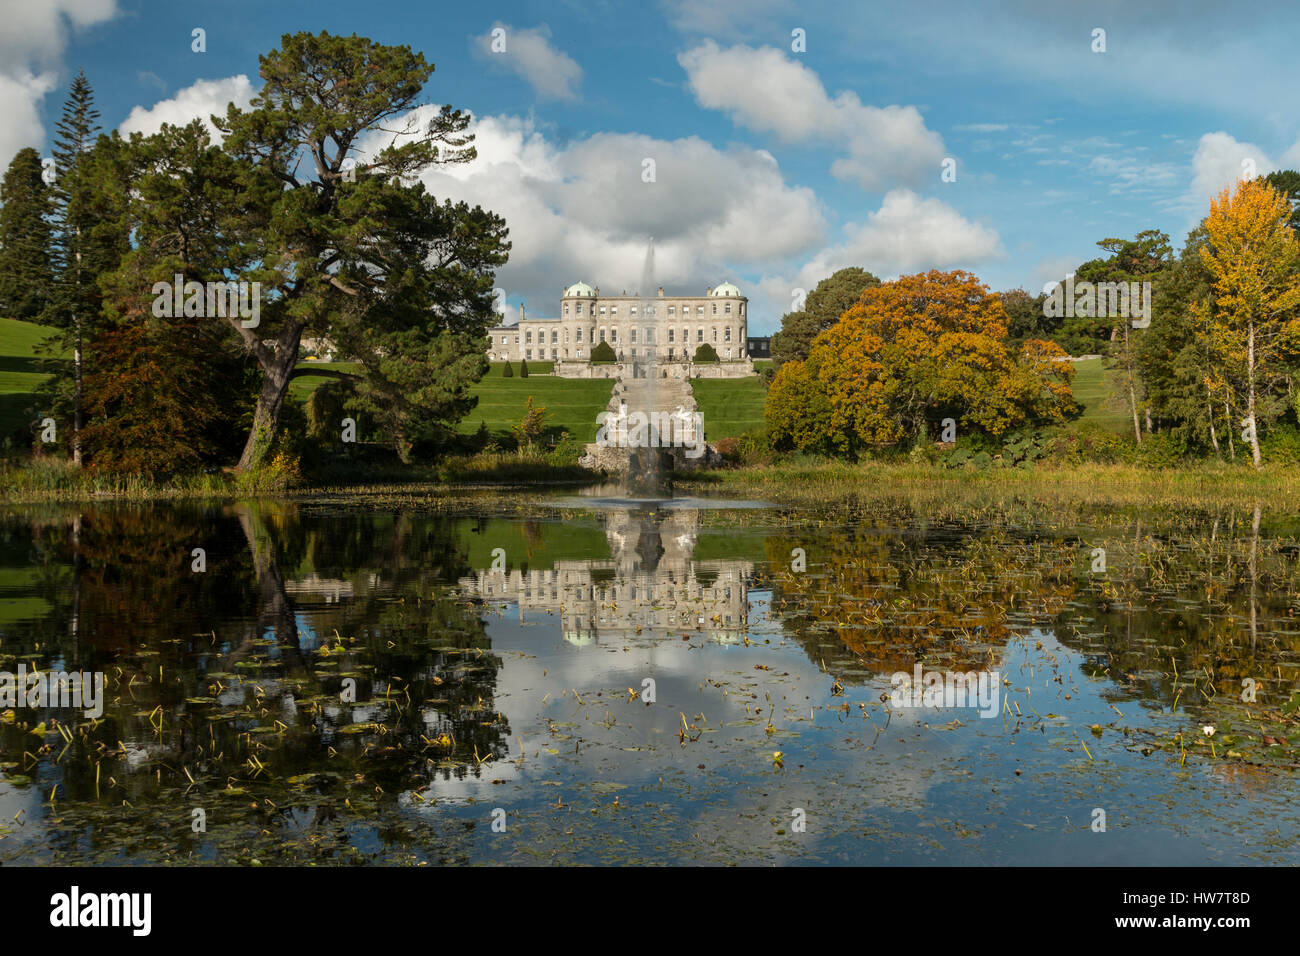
(729, 406)
(1097, 390)
(19, 376)
(571, 403)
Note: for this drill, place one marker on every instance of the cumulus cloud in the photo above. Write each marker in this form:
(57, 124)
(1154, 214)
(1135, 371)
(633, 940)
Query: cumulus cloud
(198, 101)
(529, 54)
(768, 92)
(906, 234)
(583, 211)
(31, 48)
(1218, 163)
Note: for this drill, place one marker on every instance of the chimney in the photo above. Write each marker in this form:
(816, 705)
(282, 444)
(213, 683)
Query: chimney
(709, 291)
(661, 292)
(597, 290)
(521, 311)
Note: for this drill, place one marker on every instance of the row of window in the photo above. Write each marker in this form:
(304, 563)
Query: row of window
(555, 357)
(650, 309)
(613, 336)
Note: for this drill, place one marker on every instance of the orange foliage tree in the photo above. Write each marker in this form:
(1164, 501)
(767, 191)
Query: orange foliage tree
(908, 354)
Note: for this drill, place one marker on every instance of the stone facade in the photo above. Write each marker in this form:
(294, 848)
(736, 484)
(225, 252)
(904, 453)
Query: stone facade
(639, 329)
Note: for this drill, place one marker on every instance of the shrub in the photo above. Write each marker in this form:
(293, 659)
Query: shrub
(706, 354)
(603, 354)
(523, 369)
(1281, 445)
(507, 371)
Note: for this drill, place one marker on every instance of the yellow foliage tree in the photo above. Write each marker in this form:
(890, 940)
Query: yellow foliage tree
(1253, 257)
(910, 352)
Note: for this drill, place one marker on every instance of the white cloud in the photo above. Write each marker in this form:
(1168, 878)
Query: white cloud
(729, 17)
(198, 101)
(768, 92)
(552, 73)
(1218, 163)
(582, 211)
(32, 40)
(982, 127)
(906, 234)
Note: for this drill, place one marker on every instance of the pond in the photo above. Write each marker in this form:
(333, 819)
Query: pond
(548, 679)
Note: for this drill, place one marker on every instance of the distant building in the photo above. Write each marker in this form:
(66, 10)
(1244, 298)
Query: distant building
(669, 328)
(759, 348)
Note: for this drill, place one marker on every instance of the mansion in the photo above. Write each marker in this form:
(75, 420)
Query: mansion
(640, 329)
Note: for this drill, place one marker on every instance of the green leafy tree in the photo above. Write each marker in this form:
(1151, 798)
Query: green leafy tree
(360, 254)
(1287, 182)
(706, 354)
(26, 274)
(821, 309)
(523, 369)
(507, 371)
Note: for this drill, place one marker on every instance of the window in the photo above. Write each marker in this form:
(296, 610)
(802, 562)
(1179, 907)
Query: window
(715, 334)
(634, 351)
(728, 334)
(728, 353)
(566, 336)
(634, 340)
(670, 309)
(613, 334)
(670, 335)
(503, 340)
(602, 310)
(670, 352)
(529, 354)
(613, 310)
(634, 310)
(553, 355)
(727, 308)
(699, 334)
(742, 308)
(566, 308)
(579, 353)
(528, 336)
(602, 335)
(715, 308)
(650, 310)
(516, 339)
(699, 310)
(555, 336)
(579, 336)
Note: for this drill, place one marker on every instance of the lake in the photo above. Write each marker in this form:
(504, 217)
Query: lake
(558, 678)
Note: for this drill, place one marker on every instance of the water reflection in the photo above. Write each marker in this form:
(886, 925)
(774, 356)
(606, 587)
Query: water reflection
(651, 583)
(370, 683)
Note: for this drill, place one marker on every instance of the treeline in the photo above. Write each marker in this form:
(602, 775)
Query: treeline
(320, 239)
(1203, 346)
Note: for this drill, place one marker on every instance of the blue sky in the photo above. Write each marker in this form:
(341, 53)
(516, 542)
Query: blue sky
(772, 167)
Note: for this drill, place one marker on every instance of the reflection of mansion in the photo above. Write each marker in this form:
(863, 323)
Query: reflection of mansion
(651, 584)
(663, 329)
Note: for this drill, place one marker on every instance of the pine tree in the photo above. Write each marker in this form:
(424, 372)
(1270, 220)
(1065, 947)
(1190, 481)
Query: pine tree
(26, 277)
(76, 300)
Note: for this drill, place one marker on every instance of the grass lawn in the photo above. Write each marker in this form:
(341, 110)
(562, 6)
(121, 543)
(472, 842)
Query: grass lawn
(19, 376)
(730, 406)
(571, 403)
(1098, 391)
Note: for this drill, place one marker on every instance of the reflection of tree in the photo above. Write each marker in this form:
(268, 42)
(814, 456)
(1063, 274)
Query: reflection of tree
(880, 602)
(225, 687)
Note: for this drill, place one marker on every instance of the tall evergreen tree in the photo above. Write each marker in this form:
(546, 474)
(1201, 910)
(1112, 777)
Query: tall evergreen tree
(26, 276)
(821, 309)
(76, 301)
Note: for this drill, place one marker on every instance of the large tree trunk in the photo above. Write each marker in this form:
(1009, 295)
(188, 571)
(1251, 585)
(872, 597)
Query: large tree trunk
(1250, 396)
(1209, 411)
(277, 368)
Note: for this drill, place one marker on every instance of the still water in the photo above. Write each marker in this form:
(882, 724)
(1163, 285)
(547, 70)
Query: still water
(546, 680)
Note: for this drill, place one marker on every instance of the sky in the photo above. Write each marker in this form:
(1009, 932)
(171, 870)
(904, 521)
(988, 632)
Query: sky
(764, 142)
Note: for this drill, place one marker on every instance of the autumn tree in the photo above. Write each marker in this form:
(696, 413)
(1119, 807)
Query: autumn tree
(532, 425)
(1253, 255)
(908, 354)
(821, 309)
